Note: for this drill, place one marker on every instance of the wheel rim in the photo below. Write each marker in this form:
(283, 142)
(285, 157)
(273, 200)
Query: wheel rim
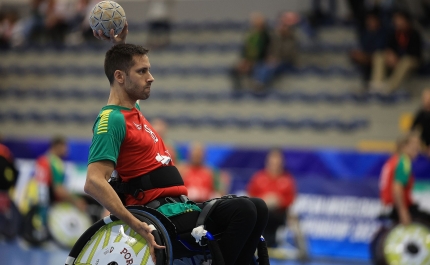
(115, 243)
(408, 245)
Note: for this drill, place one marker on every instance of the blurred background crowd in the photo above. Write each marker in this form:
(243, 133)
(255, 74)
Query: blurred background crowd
(297, 102)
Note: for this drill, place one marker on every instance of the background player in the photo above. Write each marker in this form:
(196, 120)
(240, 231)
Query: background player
(397, 181)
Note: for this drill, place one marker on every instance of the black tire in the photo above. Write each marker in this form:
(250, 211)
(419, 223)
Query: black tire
(33, 230)
(10, 222)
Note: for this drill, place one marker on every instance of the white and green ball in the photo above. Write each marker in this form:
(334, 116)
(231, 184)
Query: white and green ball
(107, 15)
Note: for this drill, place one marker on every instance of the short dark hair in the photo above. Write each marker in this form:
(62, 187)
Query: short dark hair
(405, 139)
(58, 140)
(120, 57)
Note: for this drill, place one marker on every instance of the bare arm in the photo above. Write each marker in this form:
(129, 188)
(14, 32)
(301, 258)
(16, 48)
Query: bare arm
(63, 194)
(399, 203)
(96, 185)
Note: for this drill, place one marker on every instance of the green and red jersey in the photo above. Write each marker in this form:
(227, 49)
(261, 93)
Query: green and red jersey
(397, 169)
(50, 172)
(126, 138)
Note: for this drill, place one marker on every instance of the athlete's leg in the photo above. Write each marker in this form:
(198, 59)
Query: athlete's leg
(248, 250)
(235, 219)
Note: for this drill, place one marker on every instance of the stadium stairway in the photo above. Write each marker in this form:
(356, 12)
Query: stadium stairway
(318, 103)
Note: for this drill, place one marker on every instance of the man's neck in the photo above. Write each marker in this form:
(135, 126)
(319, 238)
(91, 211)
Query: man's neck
(118, 97)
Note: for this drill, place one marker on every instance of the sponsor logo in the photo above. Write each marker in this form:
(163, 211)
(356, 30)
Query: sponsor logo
(138, 126)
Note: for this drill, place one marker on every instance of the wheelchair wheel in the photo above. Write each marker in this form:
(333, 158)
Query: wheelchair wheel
(110, 241)
(66, 223)
(403, 245)
(34, 231)
(408, 245)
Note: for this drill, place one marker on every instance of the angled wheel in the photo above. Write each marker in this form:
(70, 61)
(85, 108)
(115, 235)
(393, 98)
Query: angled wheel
(110, 241)
(407, 245)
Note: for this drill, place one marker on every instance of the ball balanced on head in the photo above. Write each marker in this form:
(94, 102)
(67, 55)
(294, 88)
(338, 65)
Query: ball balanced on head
(107, 15)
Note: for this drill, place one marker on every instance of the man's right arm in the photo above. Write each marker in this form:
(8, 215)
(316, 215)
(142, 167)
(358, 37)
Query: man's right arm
(96, 186)
(399, 201)
(401, 178)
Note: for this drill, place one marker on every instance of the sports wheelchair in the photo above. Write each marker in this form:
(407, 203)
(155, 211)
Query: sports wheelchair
(111, 242)
(394, 243)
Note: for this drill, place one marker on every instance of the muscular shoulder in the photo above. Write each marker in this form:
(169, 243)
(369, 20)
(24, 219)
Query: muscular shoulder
(109, 119)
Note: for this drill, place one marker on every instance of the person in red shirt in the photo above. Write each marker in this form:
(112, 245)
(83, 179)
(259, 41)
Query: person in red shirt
(397, 181)
(8, 171)
(126, 146)
(202, 182)
(277, 188)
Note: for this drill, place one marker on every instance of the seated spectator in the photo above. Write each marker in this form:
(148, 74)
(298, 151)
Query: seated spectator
(203, 183)
(421, 121)
(372, 40)
(48, 22)
(282, 52)
(254, 50)
(159, 23)
(403, 55)
(8, 21)
(277, 188)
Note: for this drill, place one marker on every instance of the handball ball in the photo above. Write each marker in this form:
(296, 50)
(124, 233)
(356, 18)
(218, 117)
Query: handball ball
(107, 15)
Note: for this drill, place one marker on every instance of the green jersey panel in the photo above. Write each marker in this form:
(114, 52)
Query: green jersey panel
(57, 170)
(108, 134)
(403, 170)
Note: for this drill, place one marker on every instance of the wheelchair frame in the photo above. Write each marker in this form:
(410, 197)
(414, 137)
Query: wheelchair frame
(164, 234)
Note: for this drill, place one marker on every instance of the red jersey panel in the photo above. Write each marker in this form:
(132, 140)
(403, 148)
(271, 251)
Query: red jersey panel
(387, 180)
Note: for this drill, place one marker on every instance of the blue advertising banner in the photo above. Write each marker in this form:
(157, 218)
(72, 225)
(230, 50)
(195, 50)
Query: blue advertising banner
(338, 190)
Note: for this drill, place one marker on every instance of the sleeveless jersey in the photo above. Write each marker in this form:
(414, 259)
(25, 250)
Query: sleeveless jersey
(126, 138)
(397, 168)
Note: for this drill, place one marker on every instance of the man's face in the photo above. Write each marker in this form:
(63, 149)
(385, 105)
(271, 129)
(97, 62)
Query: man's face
(414, 147)
(61, 150)
(139, 80)
(197, 154)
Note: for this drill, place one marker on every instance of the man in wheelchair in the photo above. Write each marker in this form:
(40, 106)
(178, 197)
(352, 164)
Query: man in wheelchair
(397, 180)
(402, 236)
(126, 146)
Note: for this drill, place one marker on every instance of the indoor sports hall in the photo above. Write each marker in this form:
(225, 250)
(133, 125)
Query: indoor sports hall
(319, 107)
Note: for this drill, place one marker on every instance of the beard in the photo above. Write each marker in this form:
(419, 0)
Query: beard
(136, 92)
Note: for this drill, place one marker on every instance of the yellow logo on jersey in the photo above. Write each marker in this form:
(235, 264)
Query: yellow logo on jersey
(103, 124)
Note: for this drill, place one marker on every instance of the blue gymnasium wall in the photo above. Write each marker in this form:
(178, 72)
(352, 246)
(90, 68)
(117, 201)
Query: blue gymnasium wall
(338, 189)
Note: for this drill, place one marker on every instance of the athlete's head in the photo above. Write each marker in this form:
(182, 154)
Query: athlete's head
(275, 162)
(426, 99)
(410, 144)
(127, 65)
(59, 146)
(197, 154)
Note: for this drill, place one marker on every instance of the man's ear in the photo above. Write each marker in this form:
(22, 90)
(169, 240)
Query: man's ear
(119, 76)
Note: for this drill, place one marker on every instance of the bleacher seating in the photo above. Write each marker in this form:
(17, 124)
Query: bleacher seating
(317, 102)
